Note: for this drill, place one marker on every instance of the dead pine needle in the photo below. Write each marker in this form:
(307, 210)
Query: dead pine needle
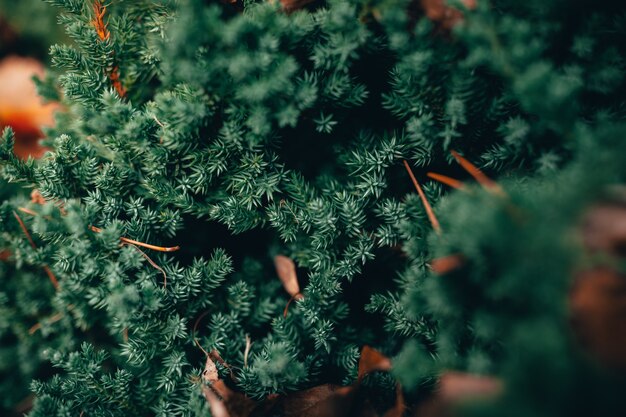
(143, 245)
(151, 262)
(479, 176)
(297, 296)
(25, 230)
(104, 35)
(52, 319)
(450, 182)
(427, 206)
(446, 264)
(195, 328)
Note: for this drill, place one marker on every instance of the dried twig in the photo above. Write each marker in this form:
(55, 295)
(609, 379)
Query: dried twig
(143, 245)
(154, 264)
(51, 276)
(123, 239)
(427, 206)
(104, 35)
(52, 319)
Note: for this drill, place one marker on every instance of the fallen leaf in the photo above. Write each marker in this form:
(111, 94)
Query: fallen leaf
(372, 360)
(598, 295)
(598, 314)
(236, 403)
(442, 14)
(446, 264)
(218, 407)
(210, 375)
(286, 270)
(293, 5)
(326, 400)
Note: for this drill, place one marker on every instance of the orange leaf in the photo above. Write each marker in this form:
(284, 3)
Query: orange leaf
(286, 270)
(218, 407)
(372, 360)
(447, 264)
(210, 375)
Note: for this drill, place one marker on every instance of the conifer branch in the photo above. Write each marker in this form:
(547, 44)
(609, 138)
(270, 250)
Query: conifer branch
(104, 35)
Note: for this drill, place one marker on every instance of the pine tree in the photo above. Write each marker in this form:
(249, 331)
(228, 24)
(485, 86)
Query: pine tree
(202, 142)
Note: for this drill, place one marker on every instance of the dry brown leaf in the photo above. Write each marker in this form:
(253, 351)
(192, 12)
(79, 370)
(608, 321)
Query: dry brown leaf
(218, 407)
(293, 5)
(598, 295)
(442, 14)
(237, 404)
(210, 375)
(326, 400)
(286, 270)
(598, 310)
(372, 360)
(446, 264)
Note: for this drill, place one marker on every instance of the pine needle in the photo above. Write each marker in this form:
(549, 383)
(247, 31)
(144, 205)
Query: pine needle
(451, 182)
(427, 206)
(478, 175)
(446, 264)
(143, 245)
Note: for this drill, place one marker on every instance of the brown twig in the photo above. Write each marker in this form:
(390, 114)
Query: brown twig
(297, 296)
(104, 35)
(51, 319)
(193, 332)
(154, 264)
(427, 206)
(51, 277)
(143, 245)
(123, 239)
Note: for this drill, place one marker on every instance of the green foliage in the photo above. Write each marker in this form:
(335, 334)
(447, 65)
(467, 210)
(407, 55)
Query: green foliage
(242, 135)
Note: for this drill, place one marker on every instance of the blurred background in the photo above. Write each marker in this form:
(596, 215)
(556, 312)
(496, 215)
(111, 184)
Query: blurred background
(27, 29)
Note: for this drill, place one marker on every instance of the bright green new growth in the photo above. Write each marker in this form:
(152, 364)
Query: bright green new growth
(243, 135)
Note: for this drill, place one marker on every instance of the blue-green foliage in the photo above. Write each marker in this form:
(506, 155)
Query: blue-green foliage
(265, 133)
